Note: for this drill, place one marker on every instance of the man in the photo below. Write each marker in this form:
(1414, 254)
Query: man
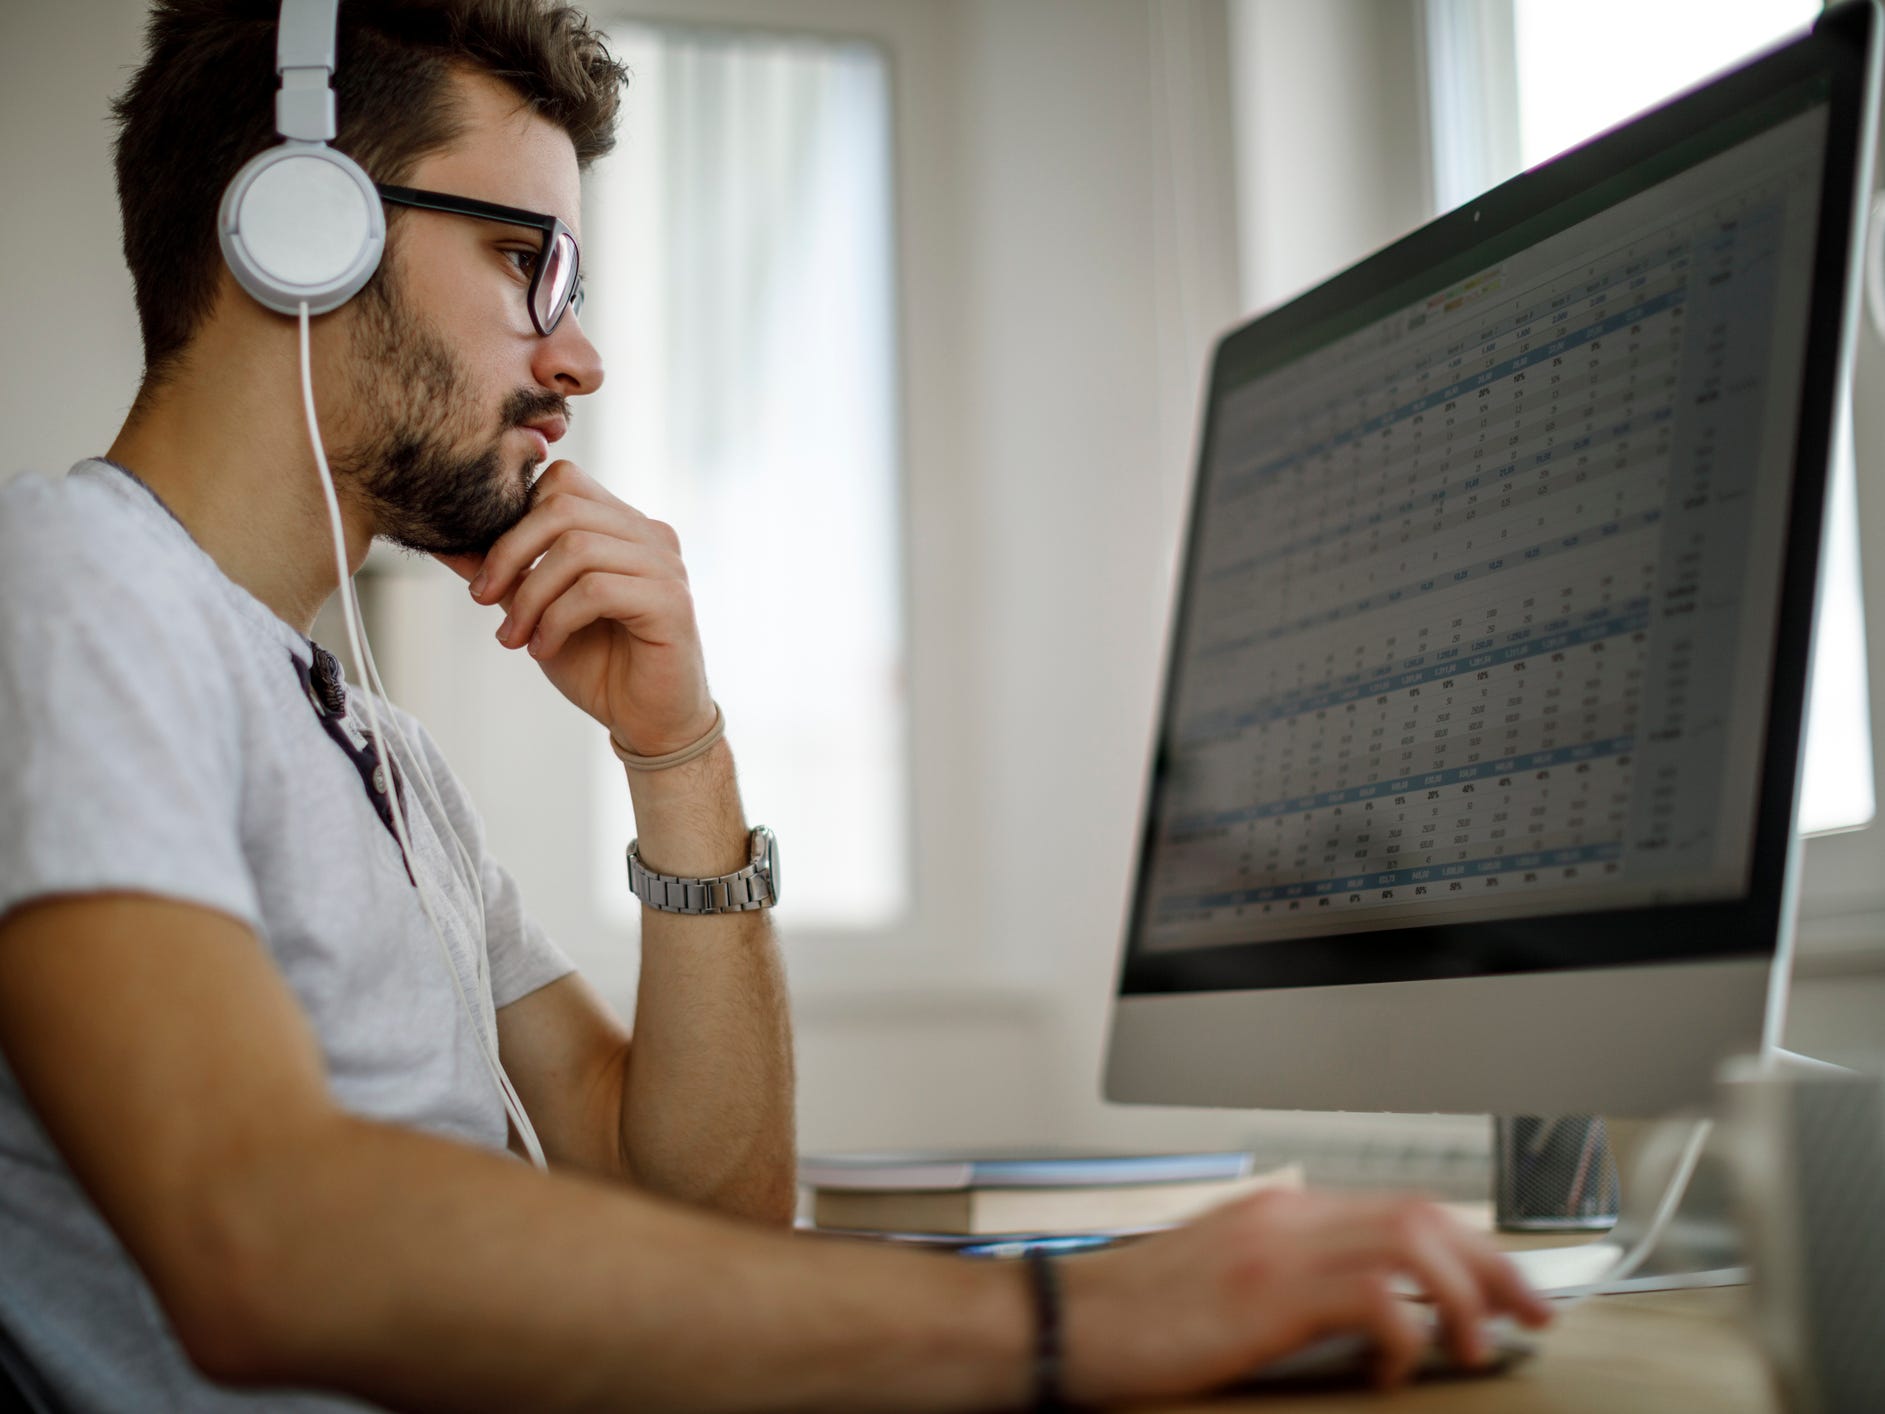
(249, 1157)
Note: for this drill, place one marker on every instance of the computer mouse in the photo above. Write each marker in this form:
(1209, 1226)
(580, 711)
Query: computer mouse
(1347, 1358)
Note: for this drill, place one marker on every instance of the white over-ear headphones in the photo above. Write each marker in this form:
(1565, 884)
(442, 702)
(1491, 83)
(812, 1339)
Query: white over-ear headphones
(301, 223)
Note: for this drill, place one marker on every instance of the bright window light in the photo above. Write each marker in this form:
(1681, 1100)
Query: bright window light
(1836, 781)
(1587, 66)
(743, 286)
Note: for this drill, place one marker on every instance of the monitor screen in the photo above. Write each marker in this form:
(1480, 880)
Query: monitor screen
(1485, 583)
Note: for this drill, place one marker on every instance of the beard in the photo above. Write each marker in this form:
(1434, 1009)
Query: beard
(413, 475)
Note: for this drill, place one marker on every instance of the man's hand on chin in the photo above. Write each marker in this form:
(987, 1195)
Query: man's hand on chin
(597, 593)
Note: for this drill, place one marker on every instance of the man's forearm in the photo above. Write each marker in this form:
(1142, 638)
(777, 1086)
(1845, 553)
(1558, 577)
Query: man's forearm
(419, 1273)
(707, 1098)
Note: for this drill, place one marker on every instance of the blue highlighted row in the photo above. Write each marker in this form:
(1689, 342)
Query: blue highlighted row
(1428, 667)
(1419, 878)
(1407, 785)
(1238, 485)
(1617, 431)
(1543, 549)
(1636, 274)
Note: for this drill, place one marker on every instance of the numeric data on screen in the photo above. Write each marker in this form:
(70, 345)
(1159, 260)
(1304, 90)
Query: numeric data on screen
(1479, 590)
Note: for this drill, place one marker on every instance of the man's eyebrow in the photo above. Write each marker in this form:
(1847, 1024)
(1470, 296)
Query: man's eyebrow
(504, 223)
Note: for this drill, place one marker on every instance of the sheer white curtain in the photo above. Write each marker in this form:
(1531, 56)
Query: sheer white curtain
(741, 243)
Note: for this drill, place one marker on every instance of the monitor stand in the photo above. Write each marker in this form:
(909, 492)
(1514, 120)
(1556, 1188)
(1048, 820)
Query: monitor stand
(1702, 1244)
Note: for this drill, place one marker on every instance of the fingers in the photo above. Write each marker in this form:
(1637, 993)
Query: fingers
(652, 609)
(1400, 1336)
(567, 500)
(1459, 1269)
(1365, 1302)
(464, 566)
(564, 477)
(1506, 1285)
(1494, 1279)
(1447, 1277)
(1391, 1236)
(574, 555)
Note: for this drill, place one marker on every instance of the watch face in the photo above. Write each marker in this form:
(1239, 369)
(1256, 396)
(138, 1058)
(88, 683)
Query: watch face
(770, 863)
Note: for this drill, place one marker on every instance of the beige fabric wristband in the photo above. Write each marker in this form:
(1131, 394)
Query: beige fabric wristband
(673, 758)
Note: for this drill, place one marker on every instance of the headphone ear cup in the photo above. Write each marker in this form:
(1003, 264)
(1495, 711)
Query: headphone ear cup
(302, 222)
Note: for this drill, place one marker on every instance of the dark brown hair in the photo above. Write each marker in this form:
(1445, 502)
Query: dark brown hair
(203, 103)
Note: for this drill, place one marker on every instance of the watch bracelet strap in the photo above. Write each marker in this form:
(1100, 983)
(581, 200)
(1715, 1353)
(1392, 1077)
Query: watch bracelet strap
(739, 892)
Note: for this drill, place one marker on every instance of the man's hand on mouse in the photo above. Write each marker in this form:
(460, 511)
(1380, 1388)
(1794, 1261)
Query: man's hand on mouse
(597, 593)
(1250, 1282)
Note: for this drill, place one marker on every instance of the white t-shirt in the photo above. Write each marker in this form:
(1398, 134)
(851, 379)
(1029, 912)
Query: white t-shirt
(155, 736)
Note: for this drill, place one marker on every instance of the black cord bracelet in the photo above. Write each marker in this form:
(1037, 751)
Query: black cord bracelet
(1044, 1281)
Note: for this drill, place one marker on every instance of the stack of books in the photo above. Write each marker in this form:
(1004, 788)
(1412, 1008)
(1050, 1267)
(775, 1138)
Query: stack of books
(953, 1197)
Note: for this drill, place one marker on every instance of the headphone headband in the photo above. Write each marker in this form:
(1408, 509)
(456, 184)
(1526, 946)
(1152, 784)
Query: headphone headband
(304, 57)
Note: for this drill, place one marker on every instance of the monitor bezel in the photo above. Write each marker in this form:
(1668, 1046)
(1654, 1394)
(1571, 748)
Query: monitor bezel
(1743, 927)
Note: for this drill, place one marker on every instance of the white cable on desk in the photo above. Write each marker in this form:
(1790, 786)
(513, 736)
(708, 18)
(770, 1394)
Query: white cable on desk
(1627, 1263)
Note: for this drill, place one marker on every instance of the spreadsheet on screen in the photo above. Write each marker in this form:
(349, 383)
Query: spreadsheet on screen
(1483, 596)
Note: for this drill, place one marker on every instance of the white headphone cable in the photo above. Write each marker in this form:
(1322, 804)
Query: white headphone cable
(466, 871)
(469, 878)
(474, 886)
(513, 1105)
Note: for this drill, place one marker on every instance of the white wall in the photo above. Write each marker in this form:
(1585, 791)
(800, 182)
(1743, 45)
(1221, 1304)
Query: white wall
(69, 361)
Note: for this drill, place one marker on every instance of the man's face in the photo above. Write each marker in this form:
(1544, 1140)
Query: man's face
(445, 369)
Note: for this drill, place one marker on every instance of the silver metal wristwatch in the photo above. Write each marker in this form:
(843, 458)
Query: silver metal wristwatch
(755, 886)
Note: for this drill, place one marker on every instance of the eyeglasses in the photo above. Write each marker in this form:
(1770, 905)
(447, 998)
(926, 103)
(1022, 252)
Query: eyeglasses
(556, 283)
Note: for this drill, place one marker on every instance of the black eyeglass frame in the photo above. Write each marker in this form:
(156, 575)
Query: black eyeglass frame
(550, 226)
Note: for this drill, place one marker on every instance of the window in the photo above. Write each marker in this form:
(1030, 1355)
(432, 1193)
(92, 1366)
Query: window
(1515, 82)
(742, 251)
(1586, 67)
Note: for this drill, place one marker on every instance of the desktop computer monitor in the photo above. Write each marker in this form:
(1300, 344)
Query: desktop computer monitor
(1474, 785)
